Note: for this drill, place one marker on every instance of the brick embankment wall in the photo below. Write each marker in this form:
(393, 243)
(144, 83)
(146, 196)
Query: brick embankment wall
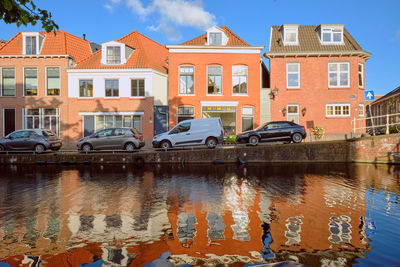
(381, 149)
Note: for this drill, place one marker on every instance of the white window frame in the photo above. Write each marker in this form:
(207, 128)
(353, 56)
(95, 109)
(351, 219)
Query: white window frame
(114, 120)
(41, 118)
(31, 34)
(290, 30)
(37, 80)
(144, 89)
(79, 88)
(214, 34)
(247, 116)
(59, 77)
(1, 81)
(361, 107)
(362, 75)
(287, 74)
(105, 89)
(247, 80)
(338, 72)
(104, 48)
(194, 80)
(297, 114)
(330, 30)
(222, 81)
(341, 110)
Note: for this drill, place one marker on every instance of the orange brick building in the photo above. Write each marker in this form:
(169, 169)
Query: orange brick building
(317, 77)
(216, 75)
(33, 79)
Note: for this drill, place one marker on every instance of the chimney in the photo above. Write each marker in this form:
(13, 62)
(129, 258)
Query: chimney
(84, 36)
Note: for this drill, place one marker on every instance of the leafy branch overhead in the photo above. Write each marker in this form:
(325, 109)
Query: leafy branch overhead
(24, 12)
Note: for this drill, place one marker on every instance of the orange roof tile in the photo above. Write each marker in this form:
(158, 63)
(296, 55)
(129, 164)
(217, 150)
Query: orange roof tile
(233, 39)
(147, 54)
(61, 43)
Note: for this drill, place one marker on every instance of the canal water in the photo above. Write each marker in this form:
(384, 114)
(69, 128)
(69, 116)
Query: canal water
(200, 215)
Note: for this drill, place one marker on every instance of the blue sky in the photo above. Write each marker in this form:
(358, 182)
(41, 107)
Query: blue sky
(374, 24)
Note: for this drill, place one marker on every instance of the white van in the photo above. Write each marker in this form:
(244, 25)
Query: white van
(193, 132)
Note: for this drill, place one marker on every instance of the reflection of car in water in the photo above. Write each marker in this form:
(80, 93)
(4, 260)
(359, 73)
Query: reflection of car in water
(273, 131)
(376, 130)
(192, 132)
(31, 139)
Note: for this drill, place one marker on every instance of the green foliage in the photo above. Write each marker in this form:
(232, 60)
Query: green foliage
(318, 132)
(231, 139)
(24, 12)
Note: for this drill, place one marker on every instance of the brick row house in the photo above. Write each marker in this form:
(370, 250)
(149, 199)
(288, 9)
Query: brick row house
(119, 86)
(216, 75)
(317, 77)
(33, 80)
(382, 108)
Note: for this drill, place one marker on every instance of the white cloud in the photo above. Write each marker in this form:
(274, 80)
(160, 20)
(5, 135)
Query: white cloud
(171, 14)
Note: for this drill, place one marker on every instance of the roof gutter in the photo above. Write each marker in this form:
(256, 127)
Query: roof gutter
(364, 54)
(213, 47)
(35, 56)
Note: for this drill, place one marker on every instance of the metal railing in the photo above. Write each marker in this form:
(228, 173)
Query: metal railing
(378, 123)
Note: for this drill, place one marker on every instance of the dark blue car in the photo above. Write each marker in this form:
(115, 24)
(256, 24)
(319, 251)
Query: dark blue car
(285, 131)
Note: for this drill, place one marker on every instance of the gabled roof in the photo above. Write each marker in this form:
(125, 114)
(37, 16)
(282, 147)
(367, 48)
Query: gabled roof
(2, 43)
(147, 54)
(309, 41)
(233, 39)
(61, 43)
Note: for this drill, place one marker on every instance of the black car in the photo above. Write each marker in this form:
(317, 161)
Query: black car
(273, 131)
(37, 140)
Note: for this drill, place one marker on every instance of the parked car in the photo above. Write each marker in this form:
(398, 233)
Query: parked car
(38, 140)
(128, 139)
(273, 131)
(192, 132)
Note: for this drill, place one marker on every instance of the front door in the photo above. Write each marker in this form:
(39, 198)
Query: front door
(293, 113)
(8, 121)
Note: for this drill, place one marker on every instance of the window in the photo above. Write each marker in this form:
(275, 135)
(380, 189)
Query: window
(30, 81)
(112, 88)
(247, 118)
(338, 110)
(360, 75)
(339, 74)
(361, 110)
(113, 55)
(137, 87)
(85, 88)
(186, 80)
(293, 75)
(110, 121)
(290, 37)
(185, 113)
(30, 45)
(214, 80)
(215, 38)
(53, 80)
(239, 79)
(42, 118)
(181, 128)
(332, 35)
(8, 82)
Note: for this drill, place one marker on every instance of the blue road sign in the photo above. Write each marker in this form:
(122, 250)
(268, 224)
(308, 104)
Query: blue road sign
(369, 95)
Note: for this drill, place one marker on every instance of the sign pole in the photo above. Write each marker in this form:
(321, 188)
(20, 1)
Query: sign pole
(372, 120)
(369, 96)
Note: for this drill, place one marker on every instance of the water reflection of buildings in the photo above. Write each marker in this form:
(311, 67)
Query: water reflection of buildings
(201, 215)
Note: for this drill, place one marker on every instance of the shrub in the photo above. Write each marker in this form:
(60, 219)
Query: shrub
(318, 132)
(231, 139)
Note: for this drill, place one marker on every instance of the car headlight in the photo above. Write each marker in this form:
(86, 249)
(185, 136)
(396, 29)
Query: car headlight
(244, 135)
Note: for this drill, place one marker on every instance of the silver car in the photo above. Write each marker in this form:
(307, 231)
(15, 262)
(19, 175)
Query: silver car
(31, 139)
(128, 139)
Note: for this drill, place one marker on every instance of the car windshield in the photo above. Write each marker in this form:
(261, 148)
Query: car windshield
(261, 126)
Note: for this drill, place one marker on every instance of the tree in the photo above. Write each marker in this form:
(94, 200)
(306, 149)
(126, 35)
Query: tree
(24, 12)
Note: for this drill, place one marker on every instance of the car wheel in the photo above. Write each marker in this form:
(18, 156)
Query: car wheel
(2, 148)
(39, 149)
(165, 144)
(211, 142)
(87, 148)
(130, 147)
(297, 138)
(253, 140)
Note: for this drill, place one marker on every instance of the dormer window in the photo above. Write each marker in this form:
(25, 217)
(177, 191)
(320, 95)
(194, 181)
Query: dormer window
(32, 42)
(331, 35)
(290, 34)
(113, 55)
(215, 38)
(30, 45)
